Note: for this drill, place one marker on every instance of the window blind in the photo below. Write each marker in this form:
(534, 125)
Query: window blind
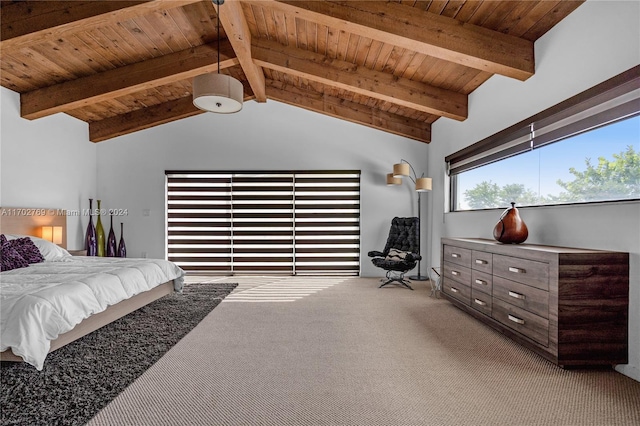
(615, 99)
(296, 222)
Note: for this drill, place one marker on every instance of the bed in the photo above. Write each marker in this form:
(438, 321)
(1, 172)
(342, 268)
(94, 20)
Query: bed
(51, 303)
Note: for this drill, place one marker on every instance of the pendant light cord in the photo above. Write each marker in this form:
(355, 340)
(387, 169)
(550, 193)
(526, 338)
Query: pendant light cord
(218, 31)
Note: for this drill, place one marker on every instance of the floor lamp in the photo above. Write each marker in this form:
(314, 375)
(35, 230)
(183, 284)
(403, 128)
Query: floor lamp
(422, 184)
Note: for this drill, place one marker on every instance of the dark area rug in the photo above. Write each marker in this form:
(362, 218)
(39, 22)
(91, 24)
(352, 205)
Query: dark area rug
(84, 376)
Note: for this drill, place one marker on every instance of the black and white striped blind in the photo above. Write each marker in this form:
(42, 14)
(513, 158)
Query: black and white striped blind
(301, 222)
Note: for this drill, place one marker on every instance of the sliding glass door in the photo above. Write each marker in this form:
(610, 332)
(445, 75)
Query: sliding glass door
(298, 222)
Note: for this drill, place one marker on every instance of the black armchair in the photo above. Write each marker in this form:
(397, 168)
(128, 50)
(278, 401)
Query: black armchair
(400, 254)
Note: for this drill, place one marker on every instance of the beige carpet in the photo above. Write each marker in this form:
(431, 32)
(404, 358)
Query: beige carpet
(341, 351)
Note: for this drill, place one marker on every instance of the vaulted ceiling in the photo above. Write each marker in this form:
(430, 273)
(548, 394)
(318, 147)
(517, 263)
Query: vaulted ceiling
(397, 66)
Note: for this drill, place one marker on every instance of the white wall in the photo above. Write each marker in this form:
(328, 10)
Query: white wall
(271, 136)
(46, 163)
(597, 41)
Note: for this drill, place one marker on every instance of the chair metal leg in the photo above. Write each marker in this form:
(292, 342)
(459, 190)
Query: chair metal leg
(398, 277)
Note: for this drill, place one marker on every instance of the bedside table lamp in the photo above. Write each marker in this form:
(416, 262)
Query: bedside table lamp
(52, 234)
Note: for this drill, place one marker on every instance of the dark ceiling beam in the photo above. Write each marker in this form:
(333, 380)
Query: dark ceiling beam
(359, 79)
(125, 80)
(349, 111)
(23, 23)
(418, 31)
(237, 30)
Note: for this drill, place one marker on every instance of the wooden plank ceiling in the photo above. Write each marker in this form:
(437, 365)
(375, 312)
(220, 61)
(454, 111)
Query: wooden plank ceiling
(397, 66)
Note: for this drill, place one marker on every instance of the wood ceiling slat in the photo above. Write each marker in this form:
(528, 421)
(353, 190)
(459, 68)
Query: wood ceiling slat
(58, 52)
(301, 35)
(332, 43)
(281, 27)
(88, 43)
(482, 12)
(260, 19)
(163, 24)
(373, 54)
(47, 69)
(364, 46)
(290, 28)
(452, 8)
(437, 6)
(200, 17)
(14, 77)
(499, 14)
(383, 57)
(146, 40)
(539, 10)
(191, 30)
(467, 11)
(118, 46)
(561, 10)
(352, 49)
(323, 39)
(514, 17)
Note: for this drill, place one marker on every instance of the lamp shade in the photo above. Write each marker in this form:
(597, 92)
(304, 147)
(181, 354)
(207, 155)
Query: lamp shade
(217, 93)
(52, 234)
(393, 180)
(401, 169)
(423, 184)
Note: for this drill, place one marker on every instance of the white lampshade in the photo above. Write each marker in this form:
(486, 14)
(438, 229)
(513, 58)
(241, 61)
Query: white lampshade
(401, 169)
(217, 93)
(393, 180)
(423, 184)
(52, 234)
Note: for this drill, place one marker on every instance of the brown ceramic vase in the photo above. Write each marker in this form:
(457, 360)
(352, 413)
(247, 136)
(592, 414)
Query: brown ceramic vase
(511, 229)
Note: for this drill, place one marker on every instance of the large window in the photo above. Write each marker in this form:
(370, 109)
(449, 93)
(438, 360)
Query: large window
(586, 149)
(264, 222)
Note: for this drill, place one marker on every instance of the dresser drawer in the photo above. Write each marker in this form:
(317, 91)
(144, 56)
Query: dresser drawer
(521, 295)
(524, 271)
(457, 255)
(530, 325)
(457, 273)
(457, 290)
(481, 281)
(482, 261)
(481, 301)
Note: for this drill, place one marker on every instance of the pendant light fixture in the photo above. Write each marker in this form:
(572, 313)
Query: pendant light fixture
(217, 92)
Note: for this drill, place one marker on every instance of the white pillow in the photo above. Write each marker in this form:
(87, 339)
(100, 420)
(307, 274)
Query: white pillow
(48, 250)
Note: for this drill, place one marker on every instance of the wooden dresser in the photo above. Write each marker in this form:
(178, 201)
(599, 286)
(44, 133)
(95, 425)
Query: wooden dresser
(569, 305)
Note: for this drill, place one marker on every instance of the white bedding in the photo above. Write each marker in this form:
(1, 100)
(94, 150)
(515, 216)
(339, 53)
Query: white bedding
(44, 300)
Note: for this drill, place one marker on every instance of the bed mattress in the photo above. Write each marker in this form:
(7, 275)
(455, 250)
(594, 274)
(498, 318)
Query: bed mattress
(44, 300)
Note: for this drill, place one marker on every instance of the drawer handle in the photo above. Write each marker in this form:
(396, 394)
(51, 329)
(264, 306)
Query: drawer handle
(517, 270)
(516, 319)
(517, 295)
(480, 302)
(481, 282)
(456, 255)
(481, 262)
(455, 273)
(455, 290)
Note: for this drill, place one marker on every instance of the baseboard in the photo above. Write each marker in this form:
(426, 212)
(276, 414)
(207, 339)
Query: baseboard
(629, 371)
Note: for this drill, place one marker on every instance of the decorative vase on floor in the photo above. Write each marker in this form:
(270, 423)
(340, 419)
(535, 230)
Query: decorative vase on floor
(111, 240)
(90, 243)
(100, 234)
(122, 248)
(511, 229)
